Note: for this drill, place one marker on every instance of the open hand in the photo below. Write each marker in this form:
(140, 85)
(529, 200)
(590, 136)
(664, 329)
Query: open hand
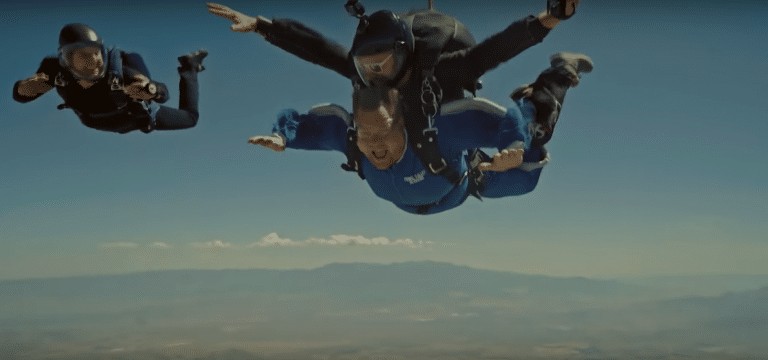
(504, 160)
(240, 21)
(274, 142)
(35, 85)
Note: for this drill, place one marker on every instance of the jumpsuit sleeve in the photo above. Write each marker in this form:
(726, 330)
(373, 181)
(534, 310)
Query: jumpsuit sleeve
(465, 66)
(308, 44)
(322, 128)
(133, 64)
(511, 130)
(50, 67)
(480, 123)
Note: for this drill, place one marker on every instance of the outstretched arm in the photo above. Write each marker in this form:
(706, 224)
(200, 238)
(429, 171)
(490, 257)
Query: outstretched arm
(322, 128)
(291, 36)
(470, 64)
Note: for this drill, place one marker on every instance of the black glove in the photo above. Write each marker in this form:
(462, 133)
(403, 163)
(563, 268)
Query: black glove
(562, 9)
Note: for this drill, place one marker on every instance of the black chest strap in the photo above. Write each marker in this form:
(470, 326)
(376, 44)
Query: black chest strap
(425, 138)
(354, 155)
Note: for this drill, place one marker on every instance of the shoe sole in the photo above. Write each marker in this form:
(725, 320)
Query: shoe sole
(583, 62)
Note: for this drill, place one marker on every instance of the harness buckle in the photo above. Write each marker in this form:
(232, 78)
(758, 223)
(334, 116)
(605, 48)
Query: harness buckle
(59, 80)
(443, 165)
(430, 100)
(431, 131)
(116, 84)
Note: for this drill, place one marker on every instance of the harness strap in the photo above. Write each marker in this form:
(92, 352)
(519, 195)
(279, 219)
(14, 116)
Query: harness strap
(115, 78)
(353, 153)
(431, 94)
(476, 178)
(426, 148)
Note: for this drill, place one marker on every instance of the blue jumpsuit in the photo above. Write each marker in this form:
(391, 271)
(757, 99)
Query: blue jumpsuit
(463, 125)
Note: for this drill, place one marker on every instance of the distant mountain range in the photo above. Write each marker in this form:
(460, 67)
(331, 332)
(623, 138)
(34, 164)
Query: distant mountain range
(361, 284)
(396, 305)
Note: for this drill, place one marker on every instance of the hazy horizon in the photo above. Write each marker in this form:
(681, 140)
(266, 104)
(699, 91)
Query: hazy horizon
(416, 310)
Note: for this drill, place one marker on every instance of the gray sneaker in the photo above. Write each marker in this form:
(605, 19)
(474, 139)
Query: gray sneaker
(573, 63)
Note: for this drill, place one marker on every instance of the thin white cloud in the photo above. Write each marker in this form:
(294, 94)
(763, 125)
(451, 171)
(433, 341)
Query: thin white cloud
(119, 245)
(215, 244)
(274, 240)
(133, 245)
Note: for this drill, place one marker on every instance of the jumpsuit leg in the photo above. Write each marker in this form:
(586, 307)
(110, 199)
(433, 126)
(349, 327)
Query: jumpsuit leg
(187, 114)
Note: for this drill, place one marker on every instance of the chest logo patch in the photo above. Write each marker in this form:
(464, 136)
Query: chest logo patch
(415, 178)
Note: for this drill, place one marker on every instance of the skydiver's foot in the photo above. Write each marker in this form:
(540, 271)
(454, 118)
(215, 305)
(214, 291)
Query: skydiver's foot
(566, 64)
(572, 64)
(547, 93)
(193, 61)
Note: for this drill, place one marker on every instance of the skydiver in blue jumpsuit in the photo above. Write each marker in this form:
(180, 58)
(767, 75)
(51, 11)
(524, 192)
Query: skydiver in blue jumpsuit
(395, 173)
(429, 57)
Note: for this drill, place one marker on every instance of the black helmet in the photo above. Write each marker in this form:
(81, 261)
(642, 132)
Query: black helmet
(77, 36)
(381, 32)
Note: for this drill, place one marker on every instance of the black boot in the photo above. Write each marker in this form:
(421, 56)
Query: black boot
(547, 93)
(193, 61)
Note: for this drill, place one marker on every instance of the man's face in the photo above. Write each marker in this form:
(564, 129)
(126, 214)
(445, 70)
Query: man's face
(87, 63)
(380, 137)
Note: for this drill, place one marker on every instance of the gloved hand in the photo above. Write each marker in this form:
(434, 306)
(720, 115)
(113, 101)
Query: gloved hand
(275, 142)
(140, 88)
(240, 22)
(35, 85)
(562, 9)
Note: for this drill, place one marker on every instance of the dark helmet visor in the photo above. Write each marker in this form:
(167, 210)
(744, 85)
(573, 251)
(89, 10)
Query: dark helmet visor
(380, 62)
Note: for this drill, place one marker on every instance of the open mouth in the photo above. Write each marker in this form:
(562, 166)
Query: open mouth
(380, 155)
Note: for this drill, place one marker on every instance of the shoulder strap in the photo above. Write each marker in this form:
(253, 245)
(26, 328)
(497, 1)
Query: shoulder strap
(115, 77)
(434, 33)
(353, 153)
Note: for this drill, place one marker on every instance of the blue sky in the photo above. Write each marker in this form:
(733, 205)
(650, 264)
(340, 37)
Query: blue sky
(658, 161)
